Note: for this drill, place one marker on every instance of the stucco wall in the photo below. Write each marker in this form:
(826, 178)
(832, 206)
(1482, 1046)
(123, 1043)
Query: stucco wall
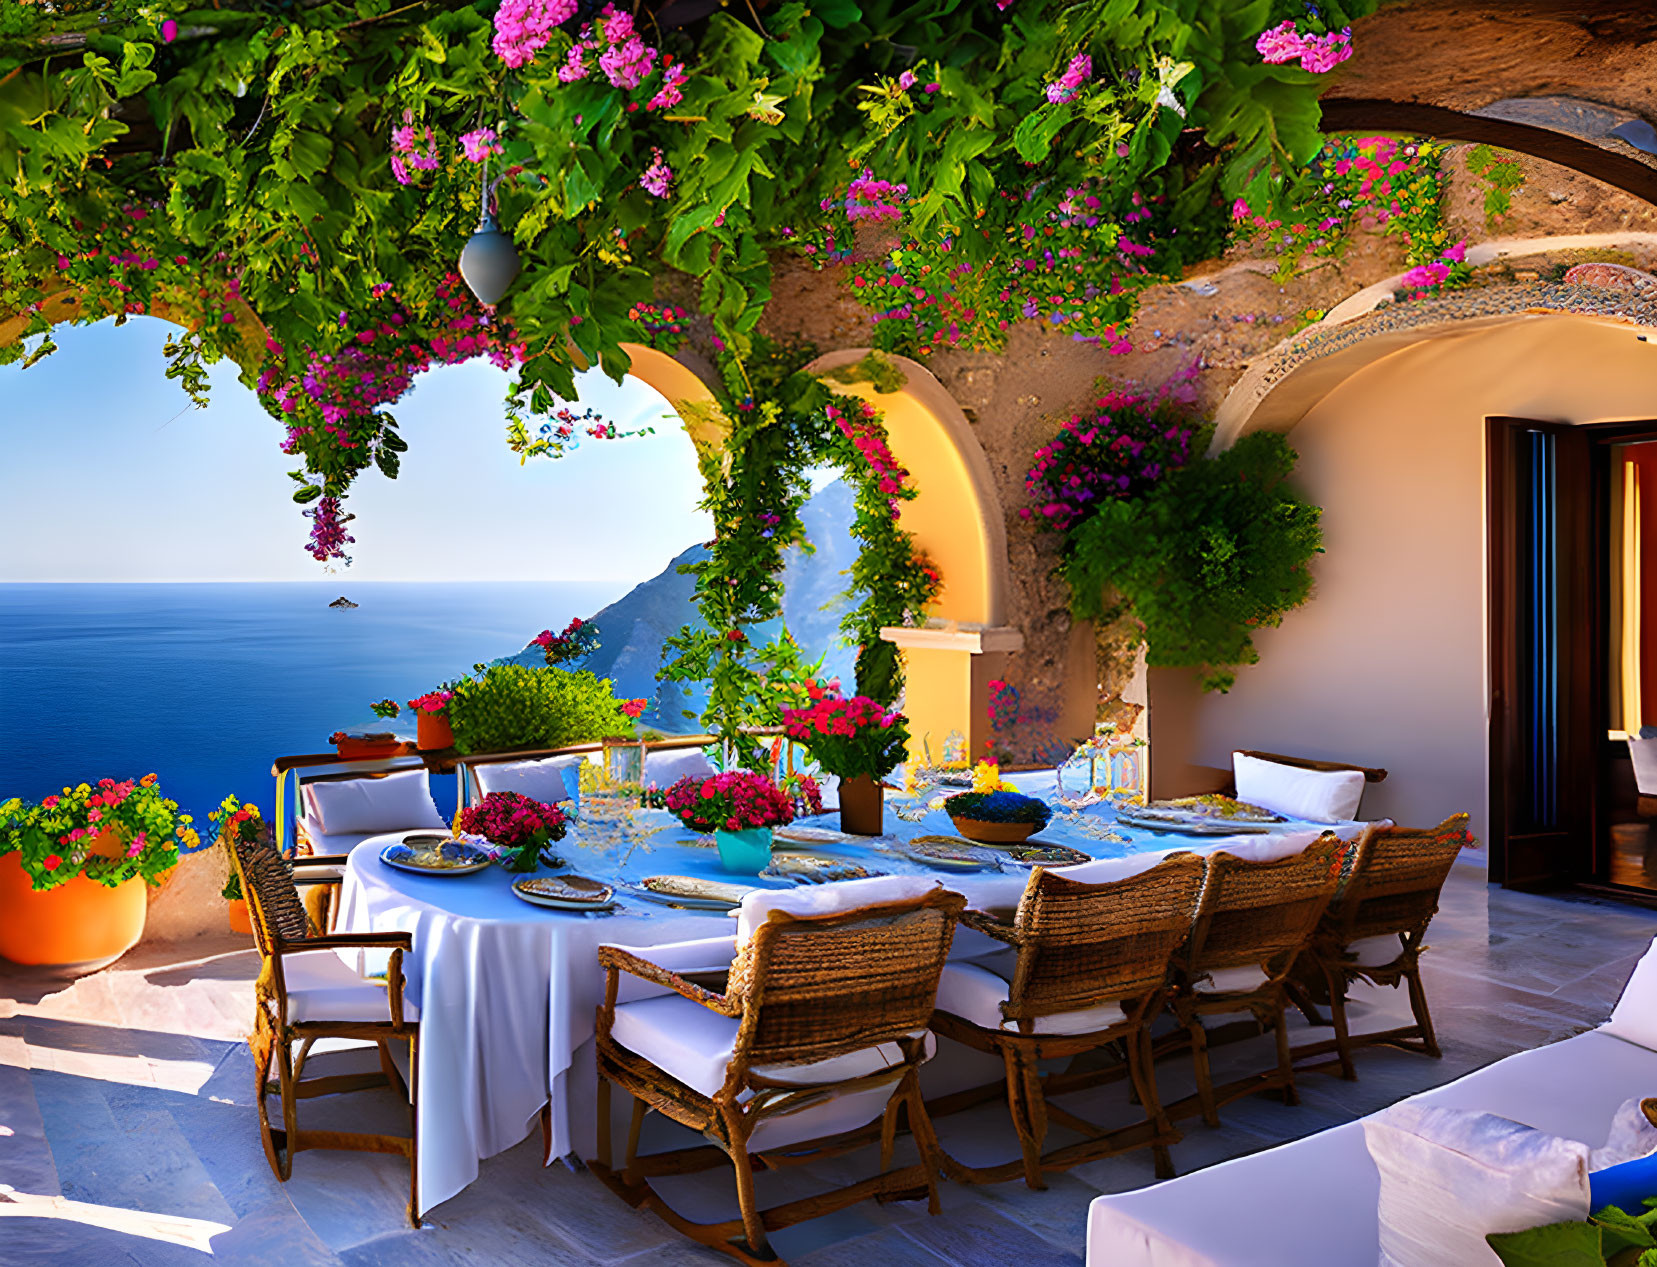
(1387, 664)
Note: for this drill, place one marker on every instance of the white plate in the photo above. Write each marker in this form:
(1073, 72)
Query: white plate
(694, 893)
(965, 856)
(793, 838)
(405, 857)
(563, 898)
(1192, 826)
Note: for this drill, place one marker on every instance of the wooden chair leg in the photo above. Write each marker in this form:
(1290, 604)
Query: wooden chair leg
(753, 1222)
(926, 1139)
(1029, 1109)
(1423, 1018)
(1337, 1013)
(414, 1130)
(290, 1107)
(1199, 1063)
(1285, 1059)
(263, 1049)
(633, 1129)
(604, 1155)
(1142, 1073)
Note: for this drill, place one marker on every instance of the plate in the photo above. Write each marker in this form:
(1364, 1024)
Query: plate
(431, 854)
(951, 853)
(1218, 806)
(811, 868)
(693, 893)
(565, 892)
(1165, 820)
(799, 837)
(1036, 853)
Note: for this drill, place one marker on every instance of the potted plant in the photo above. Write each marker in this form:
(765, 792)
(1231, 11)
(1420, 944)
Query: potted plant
(858, 739)
(515, 824)
(73, 869)
(236, 820)
(431, 719)
(740, 808)
(997, 818)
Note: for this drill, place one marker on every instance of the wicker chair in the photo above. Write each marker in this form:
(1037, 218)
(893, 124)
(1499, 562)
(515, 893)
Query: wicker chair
(819, 1035)
(1254, 921)
(1088, 968)
(1373, 931)
(306, 992)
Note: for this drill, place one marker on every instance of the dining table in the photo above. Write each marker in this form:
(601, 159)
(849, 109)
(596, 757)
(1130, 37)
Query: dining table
(508, 992)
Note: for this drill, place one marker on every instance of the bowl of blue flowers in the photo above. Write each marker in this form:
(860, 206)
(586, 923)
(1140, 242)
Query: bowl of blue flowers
(997, 818)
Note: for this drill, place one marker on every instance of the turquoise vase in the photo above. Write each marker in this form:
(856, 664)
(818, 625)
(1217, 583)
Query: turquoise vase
(746, 852)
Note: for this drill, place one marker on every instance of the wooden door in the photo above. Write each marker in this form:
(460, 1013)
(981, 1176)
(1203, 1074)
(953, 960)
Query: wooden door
(1543, 586)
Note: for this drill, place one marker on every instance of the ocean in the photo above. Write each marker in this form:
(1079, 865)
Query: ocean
(205, 684)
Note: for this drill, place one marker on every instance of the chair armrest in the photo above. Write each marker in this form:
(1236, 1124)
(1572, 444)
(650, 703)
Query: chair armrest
(990, 926)
(616, 959)
(346, 941)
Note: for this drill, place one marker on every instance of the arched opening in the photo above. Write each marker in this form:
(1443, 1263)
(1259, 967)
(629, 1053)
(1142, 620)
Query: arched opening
(1391, 663)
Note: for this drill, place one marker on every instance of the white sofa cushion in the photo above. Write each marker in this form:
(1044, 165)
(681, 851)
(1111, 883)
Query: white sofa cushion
(1634, 1019)
(826, 899)
(549, 780)
(400, 801)
(664, 768)
(1318, 796)
(1270, 847)
(321, 987)
(975, 992)
(1450, 1176)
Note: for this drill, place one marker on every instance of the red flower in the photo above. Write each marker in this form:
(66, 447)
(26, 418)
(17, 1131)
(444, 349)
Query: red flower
(51, 862)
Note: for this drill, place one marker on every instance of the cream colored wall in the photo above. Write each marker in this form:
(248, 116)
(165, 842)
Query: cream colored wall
(1387, 664)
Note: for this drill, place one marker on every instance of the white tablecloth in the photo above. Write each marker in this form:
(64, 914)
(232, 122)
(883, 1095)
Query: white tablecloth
(508, 992)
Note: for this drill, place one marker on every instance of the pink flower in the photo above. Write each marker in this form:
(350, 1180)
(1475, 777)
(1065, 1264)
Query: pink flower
(1326, 53)
(479, 144)
(906, 81)
(669, 95)
(1281, 44)
(51, 802)
(1239, 210)
(522, 27)
(633, 707)
(169, 31)
(1075, 75)
(1457, 253)
(658, 177)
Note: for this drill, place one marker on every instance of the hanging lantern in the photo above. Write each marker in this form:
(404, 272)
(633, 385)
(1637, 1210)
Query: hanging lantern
(489, 262)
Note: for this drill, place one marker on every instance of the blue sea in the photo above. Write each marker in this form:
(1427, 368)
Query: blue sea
(205, 684)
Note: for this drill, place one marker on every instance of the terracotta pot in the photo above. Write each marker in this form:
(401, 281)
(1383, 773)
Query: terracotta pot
(994, 833)
(368, 749)
(241, 920)
(79, 926)
(435, 733)
(862, 806)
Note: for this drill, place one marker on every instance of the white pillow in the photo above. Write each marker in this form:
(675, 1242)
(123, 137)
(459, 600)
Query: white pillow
(1270, 847)
(549, 780)
(825, 899)
(391, 802)
(1450, 1176)
(1318, 796)
(664, 768)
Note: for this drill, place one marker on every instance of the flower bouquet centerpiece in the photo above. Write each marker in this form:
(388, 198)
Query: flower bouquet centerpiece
(516, 826)
(432, 721)
(70, 866)
(740, 808)
(997, 817)
(858, 739)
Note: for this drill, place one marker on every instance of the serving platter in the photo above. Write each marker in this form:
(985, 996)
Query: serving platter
(951, 853)
(427, 853)
(565, 892)
(1184, 823)
(1038, 853)
(693, 893)
(798, 836)
(810, 868)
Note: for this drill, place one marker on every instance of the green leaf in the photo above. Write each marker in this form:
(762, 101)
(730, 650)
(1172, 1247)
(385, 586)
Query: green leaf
(1552, 1245)
(1033, 137)
(307, 494)
(837, 13)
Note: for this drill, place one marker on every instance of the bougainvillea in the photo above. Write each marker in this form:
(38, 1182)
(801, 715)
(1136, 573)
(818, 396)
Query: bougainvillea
(578, 641)
(737, 800)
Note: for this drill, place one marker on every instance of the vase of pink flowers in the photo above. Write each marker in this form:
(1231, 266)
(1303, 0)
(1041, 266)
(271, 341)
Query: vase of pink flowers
(522, 828)
(740, 808)
(432, 729)
(860, 740)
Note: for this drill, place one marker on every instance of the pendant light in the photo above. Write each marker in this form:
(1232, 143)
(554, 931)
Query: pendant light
(489, 263)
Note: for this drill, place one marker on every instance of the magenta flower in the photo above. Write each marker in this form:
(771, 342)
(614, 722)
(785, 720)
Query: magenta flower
(1064, 88)
(522, 27)
(657, 179)
(169, 31)
(479, 144)
(1283, 43)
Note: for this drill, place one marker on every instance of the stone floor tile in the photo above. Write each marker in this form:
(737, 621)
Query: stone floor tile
(973, 1234)
(889, 1248)
(25, 1155)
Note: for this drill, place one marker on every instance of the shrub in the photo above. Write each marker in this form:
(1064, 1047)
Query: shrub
(1218, 549)
(109, 833)
(514, 706)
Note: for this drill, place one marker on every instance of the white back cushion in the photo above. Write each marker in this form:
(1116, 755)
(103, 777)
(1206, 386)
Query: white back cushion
(391, 802)
(549, 780)
(1450, 1176)
(663, 768)
(1268, 848)
(825, 899)
(1318, 796)
(1634, 1019)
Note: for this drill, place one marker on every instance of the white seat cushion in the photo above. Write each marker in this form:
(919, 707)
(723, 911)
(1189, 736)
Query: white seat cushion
(664, 768)
(1225, 980)
(401, 801)
(976, 991)
(826, 899)
(1318, 796)
(695, 1045)
(549, 780)
(1374, 952)
(322, 988)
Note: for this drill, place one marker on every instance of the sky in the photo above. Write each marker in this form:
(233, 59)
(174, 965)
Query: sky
(110, 474)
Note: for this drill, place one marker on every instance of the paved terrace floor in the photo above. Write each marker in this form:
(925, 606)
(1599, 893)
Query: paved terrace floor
(128, 1135)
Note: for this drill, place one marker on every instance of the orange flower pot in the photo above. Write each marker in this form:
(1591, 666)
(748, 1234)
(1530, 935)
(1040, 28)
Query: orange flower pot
(434, 732)
(79, 926)
(240, 920)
